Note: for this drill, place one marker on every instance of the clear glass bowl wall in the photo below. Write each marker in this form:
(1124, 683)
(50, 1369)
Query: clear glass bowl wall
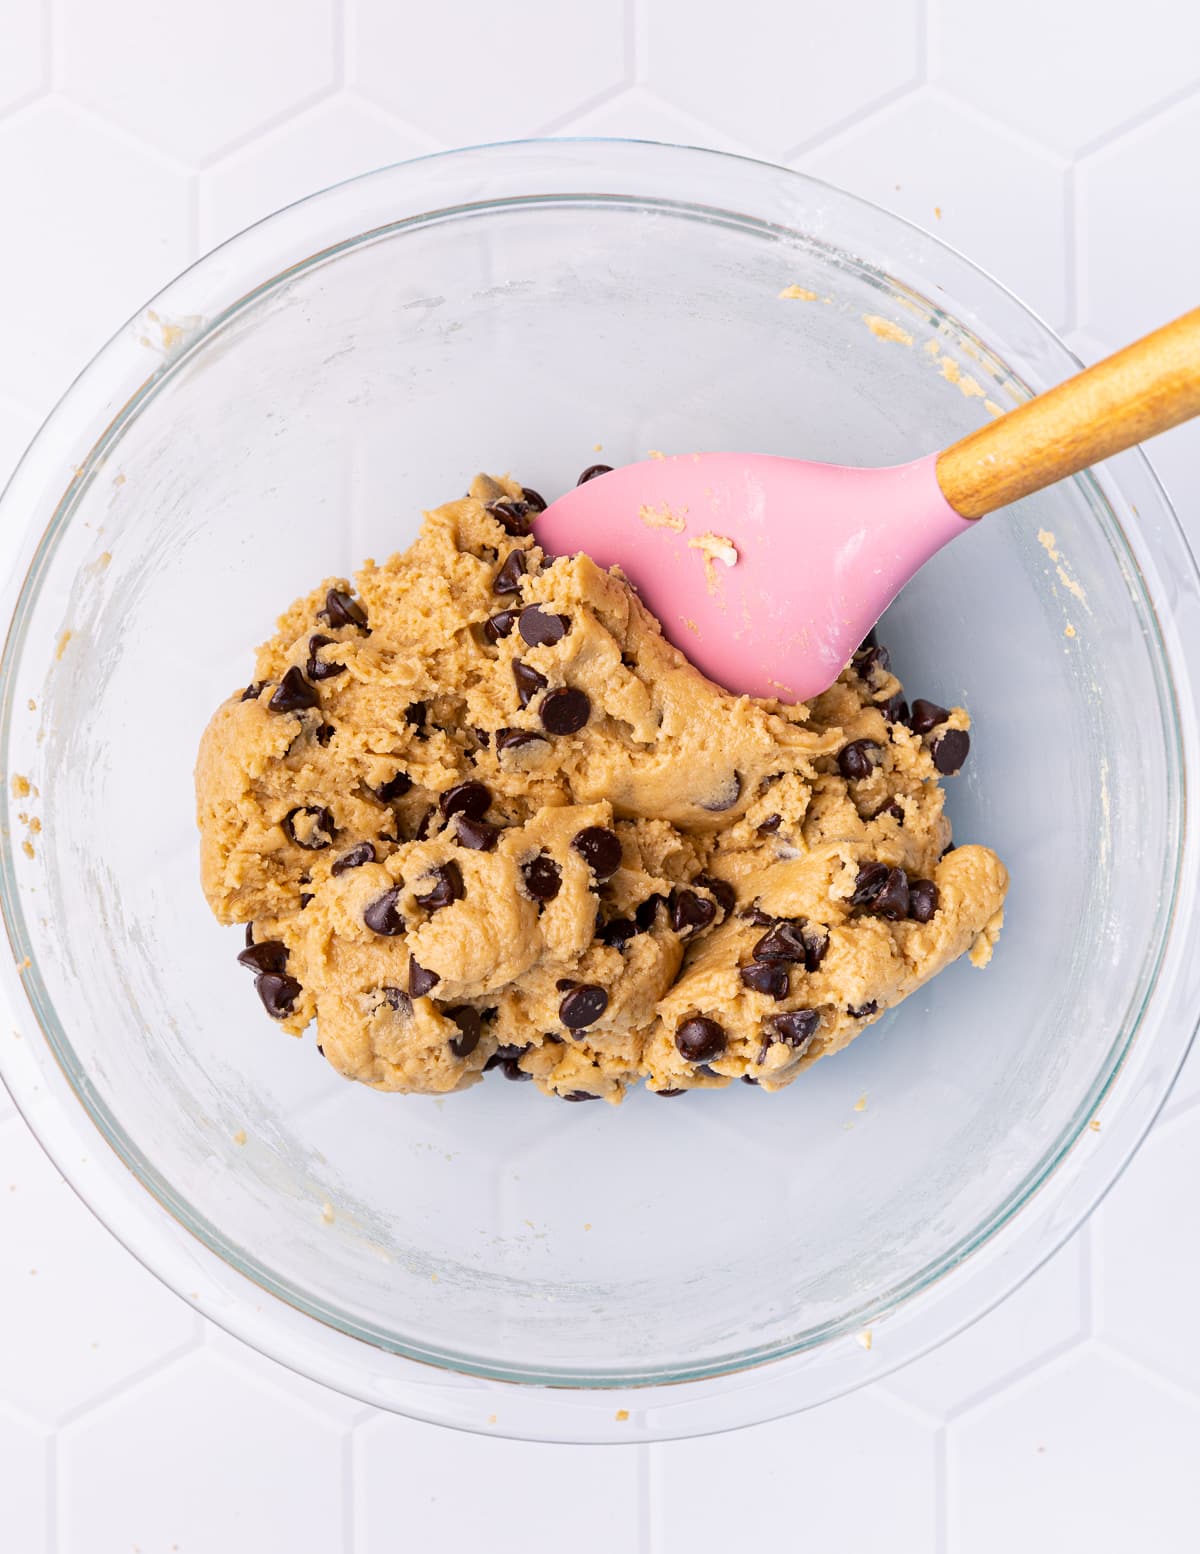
(288, 409)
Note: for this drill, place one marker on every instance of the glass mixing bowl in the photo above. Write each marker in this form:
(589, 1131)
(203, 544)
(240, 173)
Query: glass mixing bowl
(286, 408)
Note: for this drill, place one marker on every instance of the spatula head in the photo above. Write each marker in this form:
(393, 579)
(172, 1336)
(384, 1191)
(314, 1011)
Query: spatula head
(766, 572)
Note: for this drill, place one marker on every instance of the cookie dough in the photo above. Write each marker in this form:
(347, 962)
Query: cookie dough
(478, 813)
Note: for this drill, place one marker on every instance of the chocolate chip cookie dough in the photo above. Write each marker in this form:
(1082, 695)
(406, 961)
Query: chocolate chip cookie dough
(477, 813)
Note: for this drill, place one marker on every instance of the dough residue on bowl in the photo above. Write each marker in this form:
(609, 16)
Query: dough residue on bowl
(479, 814)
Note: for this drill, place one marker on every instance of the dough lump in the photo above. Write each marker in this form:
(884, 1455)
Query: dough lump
(478, 813)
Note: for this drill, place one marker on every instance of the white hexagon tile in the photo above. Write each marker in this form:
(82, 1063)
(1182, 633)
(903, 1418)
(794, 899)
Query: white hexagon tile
(1056, 143)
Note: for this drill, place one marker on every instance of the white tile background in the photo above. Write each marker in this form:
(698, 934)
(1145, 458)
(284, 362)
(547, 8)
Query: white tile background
(1056, 142)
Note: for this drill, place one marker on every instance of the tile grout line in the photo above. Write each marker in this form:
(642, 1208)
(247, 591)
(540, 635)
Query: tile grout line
(923, 25)
(49, 52)
(337, 44)
(1079, 287)
(941, 1474)
(52, 1477)
(858, 119)
(645, 1531)
(347, 1478)
(1087, 1281)
(635, 42)
(655, 1499)
(193, 216)
(557, 123)
(1138, 121)
(1070, 244)
(296, 109)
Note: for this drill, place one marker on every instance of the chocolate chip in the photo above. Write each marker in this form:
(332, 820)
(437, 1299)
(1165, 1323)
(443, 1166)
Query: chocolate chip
(499, 625)
(580, 1095)
(278, 993)
(565, 711)
(470, 1028)
(305, 899)
(479, 835)
(868, 883)
(515, 738)
(922, 900)
(666, 1092)
(869, 641)
(252, 692)
(892, 808)
(382, 916)
(700, 1038)
(342, 610)
(726, 800)
(890, 900)
(415, 714)
(293, 694)
(394, 788)
(600, 849)
(647, 912)
(688, 911)
(543, 877)
(757, 918)
(771, 824)
(534, 499)
(565, 984)
(355, 858)
(926, 715)
(949, 751)
(422, 830)
(769, 978)
(271, 955)
(314, 836)
(864, 1011)
(749, 1079)
(511, 1069)
(617, 932)
(399, 999)
(858, 759)
(325, 733)
(540, 628)
(816, 944)
(249, 934)
(726, 897)
(508, 579)
(514, 517)
(582, 1006)
(528, 681)
(592, 471)
(505, 1054)
(472, 799)
(895, 709)
(797, 1028)
(317, 668)
(482, 735)
(420, 981)
(871, 664)
(784, 941)
(447, 887)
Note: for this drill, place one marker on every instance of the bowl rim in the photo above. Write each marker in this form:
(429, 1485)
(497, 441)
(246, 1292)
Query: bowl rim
(751, 1387)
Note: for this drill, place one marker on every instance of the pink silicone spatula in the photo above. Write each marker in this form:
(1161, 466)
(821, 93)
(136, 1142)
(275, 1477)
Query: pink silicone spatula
(768, 572)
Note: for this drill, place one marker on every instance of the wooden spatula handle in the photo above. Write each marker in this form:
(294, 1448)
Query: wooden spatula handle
(1147, 388)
